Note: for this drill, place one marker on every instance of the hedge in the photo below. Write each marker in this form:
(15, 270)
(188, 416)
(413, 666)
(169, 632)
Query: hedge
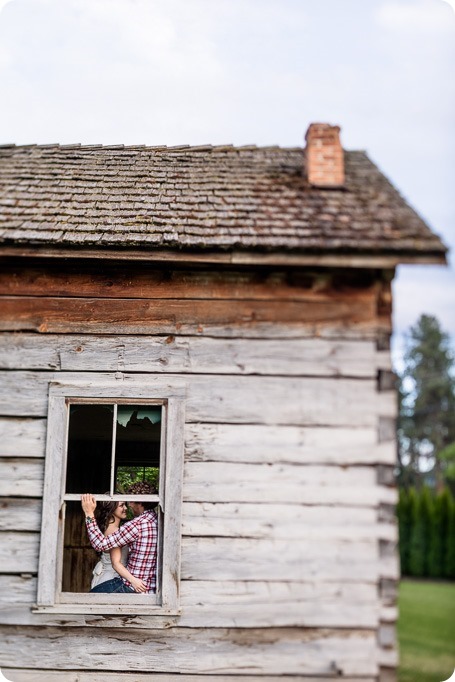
(426, 524)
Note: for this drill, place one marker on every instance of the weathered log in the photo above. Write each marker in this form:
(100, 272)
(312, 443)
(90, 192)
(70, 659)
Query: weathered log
(252, 443)
(19, 552)
(218, 399)
(130, 281)
(174, 316)
(21, 477)
(21, 437)
(227, 604)
(22, 675)
(283, 521)
(186, 354)
(20, 514)
(271, 651)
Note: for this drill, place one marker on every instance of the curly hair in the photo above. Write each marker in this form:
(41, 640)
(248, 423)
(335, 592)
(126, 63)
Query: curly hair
(104, 514)
(143, 488)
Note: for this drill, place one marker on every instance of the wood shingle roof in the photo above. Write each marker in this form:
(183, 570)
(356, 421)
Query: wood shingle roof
(216, 198)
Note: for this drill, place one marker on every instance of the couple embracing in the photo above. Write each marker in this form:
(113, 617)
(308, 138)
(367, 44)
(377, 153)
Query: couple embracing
(128, 551)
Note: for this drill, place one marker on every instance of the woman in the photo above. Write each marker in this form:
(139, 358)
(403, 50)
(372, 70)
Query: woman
(109, 515)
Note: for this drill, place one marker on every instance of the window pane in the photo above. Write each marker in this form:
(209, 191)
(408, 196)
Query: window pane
(89, 448)
(138, 443)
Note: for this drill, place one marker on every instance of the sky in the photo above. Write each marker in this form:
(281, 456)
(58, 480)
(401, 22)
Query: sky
(250, 72)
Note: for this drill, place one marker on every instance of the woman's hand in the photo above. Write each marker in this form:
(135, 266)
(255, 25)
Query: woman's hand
(138, 584)
(88, 504)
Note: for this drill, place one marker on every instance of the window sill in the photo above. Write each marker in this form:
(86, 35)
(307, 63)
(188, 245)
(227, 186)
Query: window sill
(102, 598)
(85, 608)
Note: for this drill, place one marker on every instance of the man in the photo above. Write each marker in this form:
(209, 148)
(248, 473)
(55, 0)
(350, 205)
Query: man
(140, 534)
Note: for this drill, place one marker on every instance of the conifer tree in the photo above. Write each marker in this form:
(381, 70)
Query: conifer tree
(416, 540)
(450, 549)
(404, 528)
(447, 457)
(438, 528)
(445, 502)
(427, 403)
(426, 513)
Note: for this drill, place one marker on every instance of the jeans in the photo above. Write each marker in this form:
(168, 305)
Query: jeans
(113, 585)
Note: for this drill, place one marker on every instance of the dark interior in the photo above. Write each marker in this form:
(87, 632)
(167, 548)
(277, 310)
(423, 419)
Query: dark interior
(137, 444)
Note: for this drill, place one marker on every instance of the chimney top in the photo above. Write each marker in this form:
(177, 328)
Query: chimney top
(324, 156)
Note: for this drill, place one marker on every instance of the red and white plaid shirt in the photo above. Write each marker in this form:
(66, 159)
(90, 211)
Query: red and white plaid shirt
(140, 534)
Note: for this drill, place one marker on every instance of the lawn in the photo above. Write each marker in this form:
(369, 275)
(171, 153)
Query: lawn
(426, 631)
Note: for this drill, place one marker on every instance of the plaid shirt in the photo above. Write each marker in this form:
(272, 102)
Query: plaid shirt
(140, 534)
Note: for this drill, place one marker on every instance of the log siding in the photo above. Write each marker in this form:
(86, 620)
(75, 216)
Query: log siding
(288, 560)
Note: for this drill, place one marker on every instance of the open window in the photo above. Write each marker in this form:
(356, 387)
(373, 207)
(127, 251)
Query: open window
(110, 445)
(100, 440)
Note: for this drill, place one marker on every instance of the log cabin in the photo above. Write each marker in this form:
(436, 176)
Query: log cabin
(218, 318)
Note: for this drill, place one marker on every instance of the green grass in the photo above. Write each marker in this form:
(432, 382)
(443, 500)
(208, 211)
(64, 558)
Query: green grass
(426, 631)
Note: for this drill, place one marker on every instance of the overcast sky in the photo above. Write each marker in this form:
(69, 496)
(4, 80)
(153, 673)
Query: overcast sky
(249, 72)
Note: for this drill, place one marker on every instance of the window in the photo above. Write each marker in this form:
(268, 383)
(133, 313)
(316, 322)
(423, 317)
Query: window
(101, 439)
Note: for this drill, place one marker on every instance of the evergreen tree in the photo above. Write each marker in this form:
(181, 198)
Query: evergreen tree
(404, 529)
(427, 403)
(445, 503)
(447, 457)
(438, 528)
(408, 459)
(421, 511)
(450, 550)
(426, 513)
(416, 540)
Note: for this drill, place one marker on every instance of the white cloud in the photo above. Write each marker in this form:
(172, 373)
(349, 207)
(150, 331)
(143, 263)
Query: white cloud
(115, 67)
(245, 71)
(425, 289)
(416, 15)
(145, 71)
(428, 290)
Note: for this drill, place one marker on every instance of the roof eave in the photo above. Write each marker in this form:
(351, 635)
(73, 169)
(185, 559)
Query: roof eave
(277, 257)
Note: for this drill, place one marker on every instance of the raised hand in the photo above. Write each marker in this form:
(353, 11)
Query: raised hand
(88, 504)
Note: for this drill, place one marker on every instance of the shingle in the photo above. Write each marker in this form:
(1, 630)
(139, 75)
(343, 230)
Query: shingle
(196, 197)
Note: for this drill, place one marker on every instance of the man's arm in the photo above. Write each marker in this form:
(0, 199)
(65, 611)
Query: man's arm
(125, 535)
(138, 584)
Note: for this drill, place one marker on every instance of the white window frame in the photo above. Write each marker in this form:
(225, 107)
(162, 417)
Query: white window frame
(140, 390)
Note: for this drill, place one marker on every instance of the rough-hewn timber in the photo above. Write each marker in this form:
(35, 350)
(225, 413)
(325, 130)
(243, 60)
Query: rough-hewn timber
(234, 651)
(17, 675)
(288, 558)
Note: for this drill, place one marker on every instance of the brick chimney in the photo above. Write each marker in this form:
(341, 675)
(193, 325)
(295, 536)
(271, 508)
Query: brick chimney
(324, 156)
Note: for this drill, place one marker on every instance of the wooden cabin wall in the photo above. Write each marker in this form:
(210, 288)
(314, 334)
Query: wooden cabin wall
(289, 563)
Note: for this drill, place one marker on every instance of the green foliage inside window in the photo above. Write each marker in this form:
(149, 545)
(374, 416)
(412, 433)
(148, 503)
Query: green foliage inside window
(127, 475)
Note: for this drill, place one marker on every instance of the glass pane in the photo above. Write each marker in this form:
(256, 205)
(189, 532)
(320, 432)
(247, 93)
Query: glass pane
(89, 448)
(138, 444)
